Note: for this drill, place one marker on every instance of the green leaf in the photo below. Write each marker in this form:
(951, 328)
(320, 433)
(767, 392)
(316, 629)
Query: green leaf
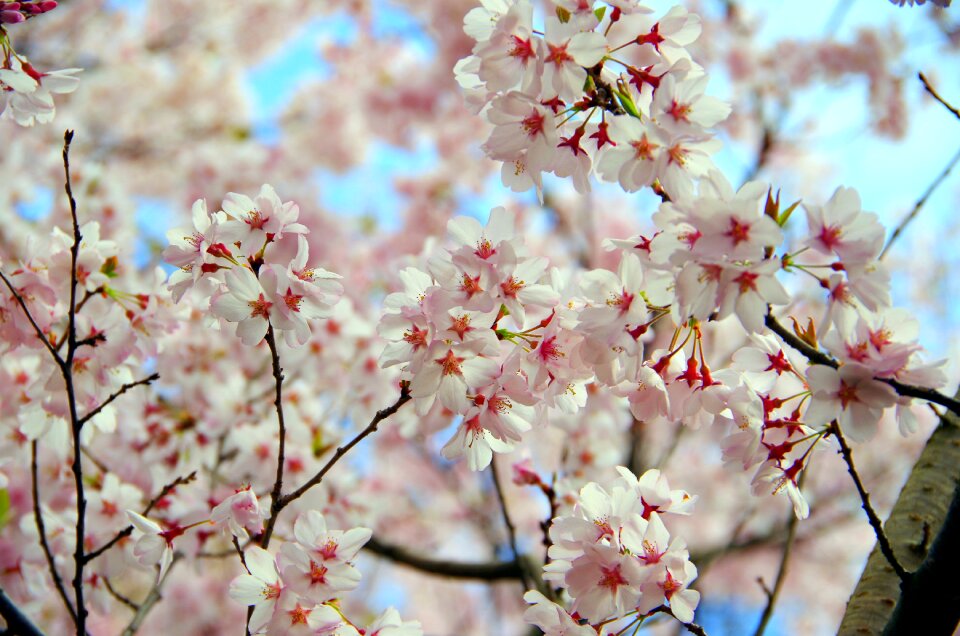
(600, 13)
(4, 507)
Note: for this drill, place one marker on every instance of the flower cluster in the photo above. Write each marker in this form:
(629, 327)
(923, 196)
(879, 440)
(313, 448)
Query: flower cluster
(615, 558)
(606, 90)
(26, 94)
(296, 591)
(240, 257)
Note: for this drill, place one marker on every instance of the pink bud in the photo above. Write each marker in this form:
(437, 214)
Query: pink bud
(11, 17)
(48, 5)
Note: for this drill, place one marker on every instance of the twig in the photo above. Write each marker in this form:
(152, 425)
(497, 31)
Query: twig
(42, 531)
(693, 628)
(17, 622)
(126, 532)
(340, 452)
(66, 370)
(120, 597)
(818, 357)
(243, 558)
(936, 96)
(147, 604)
(113, 396)
(492, 571)
(920, 203)
(782, 571)
(511, 530)
(275, 499)
(23, 305)
(874, 520)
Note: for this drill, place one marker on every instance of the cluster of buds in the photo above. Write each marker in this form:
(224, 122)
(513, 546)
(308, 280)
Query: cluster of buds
(14, 12)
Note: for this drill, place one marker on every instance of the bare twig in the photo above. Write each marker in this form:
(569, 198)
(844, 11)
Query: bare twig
(818, 357)
(936, 96)
(42, 532)
(874, 520)
(153, 597)
(126, 532)
(920, 203)
(117, 595)
(113, 396)
(693, 628)
(276, 502)
(23, 305)
(381, 415)
(511, 530)
(774, 593)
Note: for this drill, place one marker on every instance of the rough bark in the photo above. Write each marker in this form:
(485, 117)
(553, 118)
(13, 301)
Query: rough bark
(913, 527)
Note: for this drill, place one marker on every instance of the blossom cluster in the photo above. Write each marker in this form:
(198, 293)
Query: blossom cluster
(615, 558)
(251, 260)
(26, 94)
(598, 89)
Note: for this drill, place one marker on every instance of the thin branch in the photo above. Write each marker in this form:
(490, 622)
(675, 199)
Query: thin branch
(126, 532)
(492, 571)
(936, 96)
(511, 530)
(117, 595)
(17, 622)
(23, 305)
(276, 502)
(113, 396)
(920, 203)
(773, 594)
(147, 604)
(693, 628)
(875, 522)
(340, 452)
(66, 370)
(818, 357)
(42, 531)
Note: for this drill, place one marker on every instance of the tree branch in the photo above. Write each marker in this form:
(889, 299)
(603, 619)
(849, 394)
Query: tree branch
(113, 396)
(936, 96)
(17, 622)
(340, 452)
(42, 532)
(875, 522)
(818, 357)
(126, 532)
(276, 502)
(492, 571)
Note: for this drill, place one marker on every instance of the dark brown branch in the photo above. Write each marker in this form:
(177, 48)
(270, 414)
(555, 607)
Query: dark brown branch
(920, 203)
(113, 396)
(875, 522)
(818, 357)
(126, 532)
(66, 369)
(693, 628)
(23, 305)
(42, 532)
(492, 571)
(276, 503)
(340, 452)
(17, 622)
(936, 96)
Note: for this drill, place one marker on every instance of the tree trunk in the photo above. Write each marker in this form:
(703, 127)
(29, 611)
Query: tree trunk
(915, 526)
